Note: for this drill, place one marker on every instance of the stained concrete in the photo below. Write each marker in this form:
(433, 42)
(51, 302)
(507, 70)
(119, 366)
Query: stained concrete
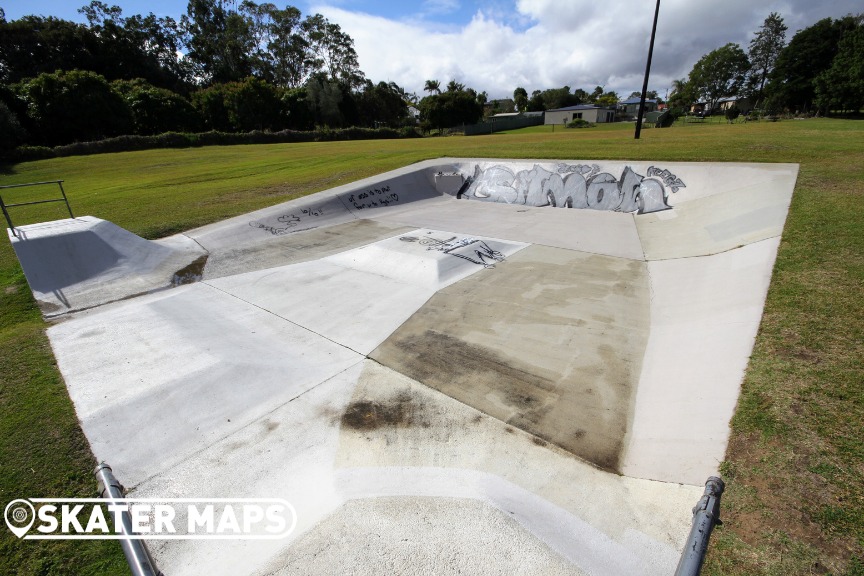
(431, 448)
(551, 341)
(296, 248)
(522, 357)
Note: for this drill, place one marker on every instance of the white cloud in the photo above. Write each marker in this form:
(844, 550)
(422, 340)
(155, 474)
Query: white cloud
(549, 43)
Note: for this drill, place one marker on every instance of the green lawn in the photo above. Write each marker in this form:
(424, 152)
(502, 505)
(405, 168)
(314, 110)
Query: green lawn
(795, 466)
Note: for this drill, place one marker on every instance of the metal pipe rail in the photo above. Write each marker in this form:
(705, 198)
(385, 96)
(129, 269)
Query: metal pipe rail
(4, 206)
(140, 562)
(706, 514)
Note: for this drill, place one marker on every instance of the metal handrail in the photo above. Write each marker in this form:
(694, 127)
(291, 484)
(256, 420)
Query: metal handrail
(706, 514)
(137, 555)
(4, 206)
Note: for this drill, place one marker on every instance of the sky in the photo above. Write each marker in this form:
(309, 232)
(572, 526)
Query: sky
(498, 45)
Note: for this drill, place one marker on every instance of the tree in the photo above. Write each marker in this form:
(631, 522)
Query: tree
(719, 74)
(295, 105)
(287, 48)
(810, 52)
(841, 87)
(381, 104)
(608, 99)
(682, 96)
(11, 132)
(765, 48)
(218, 41)
(324, 97)
(558, 98)
(73, 106)
(649, 95)
(251, 104)
(432, 86)
(331, 51)
(135, 47)
(33, 45)
(536, 103)
(520, 96)
(156, 110)
(451, 108)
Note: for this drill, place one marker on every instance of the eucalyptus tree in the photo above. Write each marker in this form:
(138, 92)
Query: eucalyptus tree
(765, 48)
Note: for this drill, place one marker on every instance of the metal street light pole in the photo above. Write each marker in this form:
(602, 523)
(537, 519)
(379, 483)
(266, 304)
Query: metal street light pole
(647, 72)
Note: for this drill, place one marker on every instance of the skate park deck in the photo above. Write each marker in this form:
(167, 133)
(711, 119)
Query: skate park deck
(515, 364)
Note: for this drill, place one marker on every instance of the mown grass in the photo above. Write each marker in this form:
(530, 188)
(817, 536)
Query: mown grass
(795, 465)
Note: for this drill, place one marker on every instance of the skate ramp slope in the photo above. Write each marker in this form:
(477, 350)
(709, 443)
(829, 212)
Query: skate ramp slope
(79, 263)
(537, 356)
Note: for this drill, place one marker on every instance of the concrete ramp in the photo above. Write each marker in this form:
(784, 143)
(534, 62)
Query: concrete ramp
(79, 263)
(540, 358)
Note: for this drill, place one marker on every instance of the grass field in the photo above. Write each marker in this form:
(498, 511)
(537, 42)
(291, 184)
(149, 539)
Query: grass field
(795, 465)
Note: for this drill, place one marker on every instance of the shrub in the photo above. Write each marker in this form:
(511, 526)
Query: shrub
(11, 132)
(212, 138)
(732, 113)
(73, 106)
(580, 123)
(157, 110)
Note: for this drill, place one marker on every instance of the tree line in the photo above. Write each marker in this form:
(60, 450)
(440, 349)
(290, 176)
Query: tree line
(820, 70)
(226, 65)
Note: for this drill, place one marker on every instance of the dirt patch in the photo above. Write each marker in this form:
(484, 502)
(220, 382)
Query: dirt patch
(366, 415)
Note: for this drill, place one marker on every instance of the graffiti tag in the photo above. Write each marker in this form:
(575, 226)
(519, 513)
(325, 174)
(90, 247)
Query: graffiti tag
(478, 251)
(375, 198)
(287, 222)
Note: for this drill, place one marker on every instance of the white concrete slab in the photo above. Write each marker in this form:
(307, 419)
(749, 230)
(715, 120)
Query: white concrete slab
(428, 258)
(159, 378)
(355, 309)
(79, 263)
(307, 452)
(705, 314)
(717, 223)
(370, 291)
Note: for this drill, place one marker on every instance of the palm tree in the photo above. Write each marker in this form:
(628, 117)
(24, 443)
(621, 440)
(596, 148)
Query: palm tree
(432, 86)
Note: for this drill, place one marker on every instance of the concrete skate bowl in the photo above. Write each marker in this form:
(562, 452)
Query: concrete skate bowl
(465, 364)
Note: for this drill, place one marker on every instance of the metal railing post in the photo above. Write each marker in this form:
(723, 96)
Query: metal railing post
(4, 206)
(8, 219)
(706, 514)
(63, 192)
(140, 562)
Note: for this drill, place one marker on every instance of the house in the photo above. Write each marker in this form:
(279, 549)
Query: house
(630, 108)
(744, 104)
(493, 107)
(587, 112)
(413, 113)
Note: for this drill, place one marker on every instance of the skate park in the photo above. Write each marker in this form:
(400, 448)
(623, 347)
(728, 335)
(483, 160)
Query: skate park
(542, 355)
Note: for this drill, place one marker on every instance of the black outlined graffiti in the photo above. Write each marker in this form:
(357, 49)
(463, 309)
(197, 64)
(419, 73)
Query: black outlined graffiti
(478, 251)
(375, 198)
(287, 222)
(575, 186)
(667, 177)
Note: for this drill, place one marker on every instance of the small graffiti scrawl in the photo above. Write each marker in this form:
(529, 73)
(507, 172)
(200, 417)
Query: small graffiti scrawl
(575, 186)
